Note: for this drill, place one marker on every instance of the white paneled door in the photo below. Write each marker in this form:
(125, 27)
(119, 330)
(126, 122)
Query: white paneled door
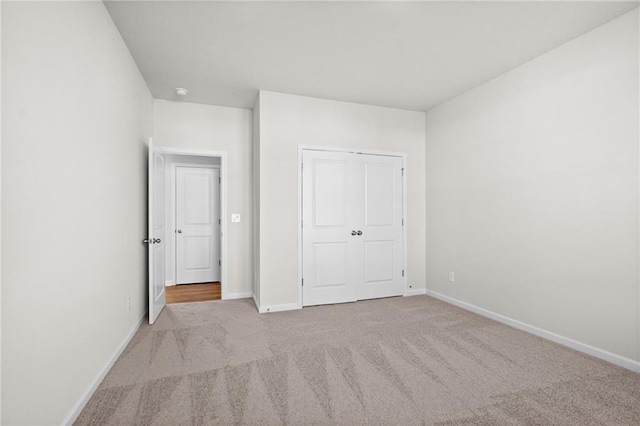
(157, 229)
(352, 237)
(197, 224)
(381, 225)
(329, 251)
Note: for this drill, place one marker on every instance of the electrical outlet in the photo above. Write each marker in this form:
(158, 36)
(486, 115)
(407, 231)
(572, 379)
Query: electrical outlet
(128, 303)
(452, 277)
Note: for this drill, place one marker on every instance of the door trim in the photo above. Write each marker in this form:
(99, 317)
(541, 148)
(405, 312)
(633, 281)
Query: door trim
(223, 205)
(301, 149)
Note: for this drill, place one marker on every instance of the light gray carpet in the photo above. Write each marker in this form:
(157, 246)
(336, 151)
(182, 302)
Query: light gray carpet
(412, 360)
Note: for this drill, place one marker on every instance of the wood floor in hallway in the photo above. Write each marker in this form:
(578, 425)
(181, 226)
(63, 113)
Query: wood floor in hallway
(184, 293)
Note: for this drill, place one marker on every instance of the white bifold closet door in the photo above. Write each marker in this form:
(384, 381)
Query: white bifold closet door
(352, 237)
(198, 225)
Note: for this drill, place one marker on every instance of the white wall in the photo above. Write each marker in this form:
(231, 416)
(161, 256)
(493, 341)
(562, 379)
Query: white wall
(532, 191)
(76, 115)
(287, 121)
(213, 128)
(0, 215)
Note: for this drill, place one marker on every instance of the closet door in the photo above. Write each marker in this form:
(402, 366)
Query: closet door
(352, 236)
(331, 261)
(380, 220)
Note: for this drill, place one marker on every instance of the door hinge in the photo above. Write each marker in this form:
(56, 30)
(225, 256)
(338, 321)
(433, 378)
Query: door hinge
(402, 222)
(219, 180)
(402, 171)
(219, 262)
(302, 224)
(302, 166)
(220, 222)
(403, 272)
(303, 282)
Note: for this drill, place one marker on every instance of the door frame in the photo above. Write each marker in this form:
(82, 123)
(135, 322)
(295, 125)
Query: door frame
(402, 155)
(223, 204)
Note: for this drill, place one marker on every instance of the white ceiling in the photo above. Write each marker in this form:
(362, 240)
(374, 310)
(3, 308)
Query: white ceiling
(410, 55)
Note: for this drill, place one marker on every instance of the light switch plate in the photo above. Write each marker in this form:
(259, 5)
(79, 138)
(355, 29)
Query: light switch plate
(235, 217)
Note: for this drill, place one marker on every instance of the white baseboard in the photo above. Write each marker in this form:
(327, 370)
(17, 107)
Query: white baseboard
(255, 302)
(243, 295)
(415, 291)
(565, 341)
(293, 306)
(279, 308)
(77, 409)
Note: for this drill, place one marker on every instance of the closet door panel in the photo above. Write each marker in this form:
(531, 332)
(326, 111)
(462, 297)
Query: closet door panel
(329, 193)
(380, 200)
(379, 257)
(330, 264)
(326, 234)
(382, 234)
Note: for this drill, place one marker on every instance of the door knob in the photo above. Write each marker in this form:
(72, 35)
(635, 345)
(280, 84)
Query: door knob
(179, 231)
(359, 232)
(353, 233)
(157, 241)
(147, 241)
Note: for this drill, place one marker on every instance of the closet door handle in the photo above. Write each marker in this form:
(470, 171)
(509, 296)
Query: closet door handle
(359, 232)
(354, 233)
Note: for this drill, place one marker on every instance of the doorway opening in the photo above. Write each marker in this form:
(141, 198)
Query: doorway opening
(186, 216)
(193, 260)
